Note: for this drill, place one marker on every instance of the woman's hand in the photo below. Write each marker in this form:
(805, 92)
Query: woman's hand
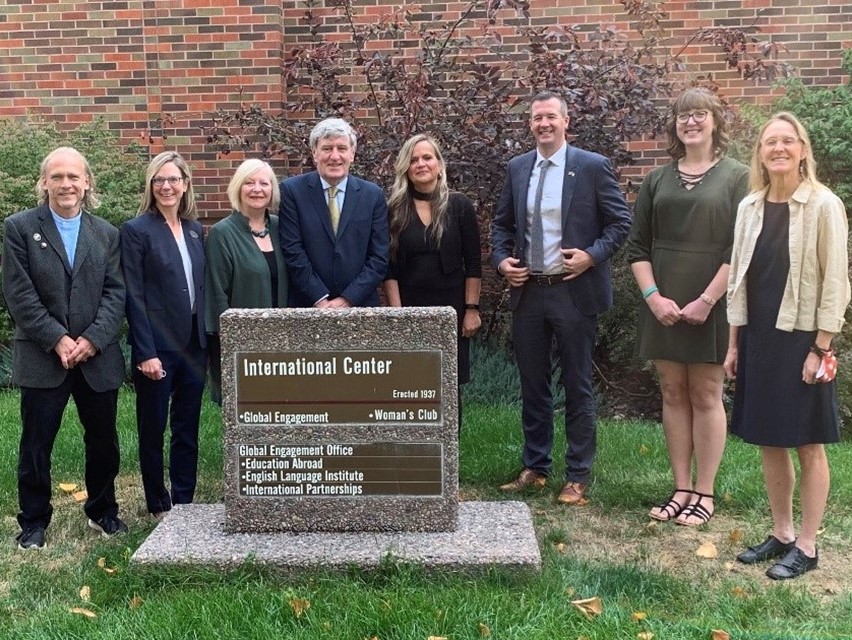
(152, 369)
(665, 310)
(696, 312)
(471, 322)
(730, 364)
(810, 368)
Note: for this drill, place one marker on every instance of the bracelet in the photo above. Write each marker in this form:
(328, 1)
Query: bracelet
(707, 299)
(820, 352)
(647, 293)
(472, 305)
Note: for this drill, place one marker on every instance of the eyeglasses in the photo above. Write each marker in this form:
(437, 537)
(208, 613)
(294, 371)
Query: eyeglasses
(173, 181)
(698, 116)
(785, 142)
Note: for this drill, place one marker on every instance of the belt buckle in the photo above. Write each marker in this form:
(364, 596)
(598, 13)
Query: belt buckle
(546, 280)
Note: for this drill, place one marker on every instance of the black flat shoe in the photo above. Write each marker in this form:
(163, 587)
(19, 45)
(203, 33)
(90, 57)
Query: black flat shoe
(793, 565)
(770, 548)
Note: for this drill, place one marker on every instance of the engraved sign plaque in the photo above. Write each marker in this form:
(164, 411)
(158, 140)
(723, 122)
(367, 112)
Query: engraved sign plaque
(338, 387)
(340, 470)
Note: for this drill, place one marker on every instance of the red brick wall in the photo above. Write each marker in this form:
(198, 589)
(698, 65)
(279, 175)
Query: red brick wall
(154, 69)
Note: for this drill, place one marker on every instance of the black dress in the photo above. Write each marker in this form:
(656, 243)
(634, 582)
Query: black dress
(427, 277)
(773, 407)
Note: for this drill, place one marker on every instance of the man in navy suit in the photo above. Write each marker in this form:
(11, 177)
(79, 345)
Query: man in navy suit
(559, 219)
(333, 226)
(63, 288)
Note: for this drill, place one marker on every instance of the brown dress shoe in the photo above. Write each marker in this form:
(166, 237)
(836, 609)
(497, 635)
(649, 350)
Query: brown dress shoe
(528, 479)
(573, 493)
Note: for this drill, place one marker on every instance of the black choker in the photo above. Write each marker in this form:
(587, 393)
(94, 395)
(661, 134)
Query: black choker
(419, 195)
(260, 234)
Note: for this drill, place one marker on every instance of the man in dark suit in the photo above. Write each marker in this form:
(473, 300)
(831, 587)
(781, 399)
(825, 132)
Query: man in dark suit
(559, 219)
(333, 226)
(63, 288)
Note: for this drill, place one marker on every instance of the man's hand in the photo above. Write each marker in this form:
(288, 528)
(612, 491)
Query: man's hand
(82, 351)
(575, 262)
(64, 348)
(333, 303)
(152, 368)
(515, 275)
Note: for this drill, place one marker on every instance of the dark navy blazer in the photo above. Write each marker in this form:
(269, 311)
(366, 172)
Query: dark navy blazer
(595, 218)
(158, 310)
(351, 263)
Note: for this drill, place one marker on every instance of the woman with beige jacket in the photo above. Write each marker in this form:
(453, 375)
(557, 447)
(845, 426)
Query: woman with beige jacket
(788, 291)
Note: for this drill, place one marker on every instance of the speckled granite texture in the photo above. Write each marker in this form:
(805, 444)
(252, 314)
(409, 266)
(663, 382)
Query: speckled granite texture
(489, 534)
(365, 329)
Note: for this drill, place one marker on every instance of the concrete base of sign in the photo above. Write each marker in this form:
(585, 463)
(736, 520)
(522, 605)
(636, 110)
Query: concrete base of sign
(489, 534)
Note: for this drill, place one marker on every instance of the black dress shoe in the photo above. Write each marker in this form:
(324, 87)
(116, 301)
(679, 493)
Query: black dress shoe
(793, 565)
(770, 548)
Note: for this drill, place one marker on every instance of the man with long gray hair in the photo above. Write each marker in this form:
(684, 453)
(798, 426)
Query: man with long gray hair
(63, 288)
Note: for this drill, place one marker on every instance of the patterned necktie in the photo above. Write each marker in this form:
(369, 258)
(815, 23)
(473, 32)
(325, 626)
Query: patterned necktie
(537, 230)
(333, 211)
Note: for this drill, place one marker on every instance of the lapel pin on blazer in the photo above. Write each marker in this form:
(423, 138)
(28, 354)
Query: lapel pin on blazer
(570, 174)
(193, 234)
(43, 245)
(36, 237)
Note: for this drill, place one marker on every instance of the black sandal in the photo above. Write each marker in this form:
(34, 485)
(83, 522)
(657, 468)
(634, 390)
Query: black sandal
(671, 507)
(698, 510)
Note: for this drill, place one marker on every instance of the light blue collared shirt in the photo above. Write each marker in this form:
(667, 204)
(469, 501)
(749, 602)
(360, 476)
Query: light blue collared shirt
(341, 191)
(69, 231)
(551, 208)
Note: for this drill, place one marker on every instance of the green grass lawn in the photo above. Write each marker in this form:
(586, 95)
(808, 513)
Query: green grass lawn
(607, 549)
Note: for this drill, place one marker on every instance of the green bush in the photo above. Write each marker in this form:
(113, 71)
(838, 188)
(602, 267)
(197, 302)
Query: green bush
(119, 172)
(827, 116)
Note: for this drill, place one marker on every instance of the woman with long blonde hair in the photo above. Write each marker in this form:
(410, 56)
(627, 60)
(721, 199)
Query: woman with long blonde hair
(434, 243)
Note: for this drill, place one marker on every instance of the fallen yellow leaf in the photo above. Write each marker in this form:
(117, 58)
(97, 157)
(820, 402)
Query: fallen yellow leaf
(739, 592)
(638, 616)
(80, 496)
(735, 536)
(727, 498)
(718, 634)
(729, 566)
(645, 635)
(299, 606)
(85, 593)
(560, 547)
(135, 602)
(68, 487)
(83, 612)
(643, 450)
(484, 630)
(589, 607)
(102, 565)
(707, 550)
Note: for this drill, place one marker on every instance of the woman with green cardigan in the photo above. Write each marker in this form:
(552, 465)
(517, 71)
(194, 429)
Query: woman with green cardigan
(245, 267)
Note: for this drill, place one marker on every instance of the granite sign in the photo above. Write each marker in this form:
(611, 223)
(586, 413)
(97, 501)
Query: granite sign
(320, 436)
